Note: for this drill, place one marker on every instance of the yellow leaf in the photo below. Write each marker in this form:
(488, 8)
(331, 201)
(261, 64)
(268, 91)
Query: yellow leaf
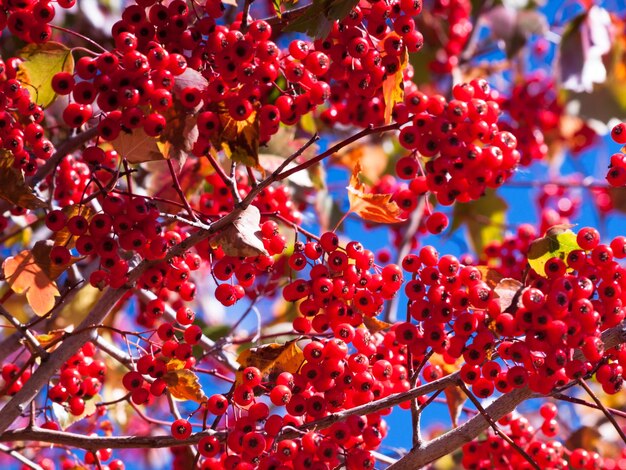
(243, 236)
(25, 276)
(271, 359)
(137, 147)
(41, 63)
(184, 385)
(239, 139)
(373, 207)
(374, 325)
(558, 242)
(46, 339)
(393, 87)
(13, 188)
(80, 304)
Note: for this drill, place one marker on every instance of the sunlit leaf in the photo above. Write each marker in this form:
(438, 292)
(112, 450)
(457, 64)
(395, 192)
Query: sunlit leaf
(66, 419)
(239, 139)
(484, 218)
(184, 384)
(63, 237)
(374, 325)
(79, 305)
(243, 236)
(13, 188)
(372, 207)
(271, 359)
(489, 275)
(558, 242)
(393, 87)
(25, 276)
(41, 63)
(47, 339)
(370, 156)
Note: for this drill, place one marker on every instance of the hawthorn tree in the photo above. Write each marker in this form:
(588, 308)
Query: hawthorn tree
(239, 235)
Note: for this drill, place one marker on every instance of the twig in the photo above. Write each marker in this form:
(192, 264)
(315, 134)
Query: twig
(579, 401)
(601, 406)
(179, 190)
(26, 333)
(17, 456)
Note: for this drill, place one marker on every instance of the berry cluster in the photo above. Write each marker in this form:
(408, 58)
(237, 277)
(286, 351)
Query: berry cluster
(460, 141)
(30, 20)
(616, 176)
(21, 132)
(456, 14)
(80, 379)
(341, 288)
(495, 452)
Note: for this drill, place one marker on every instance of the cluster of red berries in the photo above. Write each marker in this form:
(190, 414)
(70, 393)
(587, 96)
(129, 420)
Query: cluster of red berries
(341, 288)
(21, 132)
(458, 149)
(456, 14)
(30, 20)
(508, 256)
(80, 379)
(535, 113)
(494, 452)
(14, 379)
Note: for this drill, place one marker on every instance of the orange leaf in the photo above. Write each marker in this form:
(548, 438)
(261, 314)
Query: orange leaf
(374, 325)
(63, 237)
(372, 157)
(184, 385)
(24, 275)
(271, 359)
(393, 87)
(373, 207)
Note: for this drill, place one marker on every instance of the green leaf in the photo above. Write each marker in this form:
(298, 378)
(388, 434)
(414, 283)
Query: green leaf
(318, 19)
(484, 219)
(41, 63)
(216, 332)
(558, 242)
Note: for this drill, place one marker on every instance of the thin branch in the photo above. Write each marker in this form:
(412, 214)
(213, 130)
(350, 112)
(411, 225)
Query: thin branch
(579, 401)
(26, 333)
(17, 456)
(601, 406)
(179, 190)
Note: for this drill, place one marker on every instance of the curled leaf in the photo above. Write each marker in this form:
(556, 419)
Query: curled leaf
(13, 188)
(373, 207)
(271, 359)
(184, 384)
(239, 139)
(243, 236)
(393, 87)
(508, 291)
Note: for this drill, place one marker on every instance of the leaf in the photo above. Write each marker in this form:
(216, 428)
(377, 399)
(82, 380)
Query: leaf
(46, 339)
(372, 207)
(374, 325)
(137, 147)
(269, 163)
(371, 156)
(66, 419)
(318, 19)
(484, 218)
(393, 87)
(41, 63)
(271, 359)
(508, 290)
(190, 78)
(41, 255)
(489, 275)
(243, 236)
(184, 384)
(239, 139)
(558, 242)
(79, 305)
(180, 134)
(25, 276)
(13, 188)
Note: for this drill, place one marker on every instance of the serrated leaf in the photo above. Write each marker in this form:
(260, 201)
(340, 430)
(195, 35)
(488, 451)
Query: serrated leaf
(13, 188)
(558, 242)
(243, 236)
(184, 384)
(484, 218)
(374, 325)
(41, 63)
(239, 139)
(25, 276)
(271, 359)
(372, 207)
(137, 147)
(393, 87)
